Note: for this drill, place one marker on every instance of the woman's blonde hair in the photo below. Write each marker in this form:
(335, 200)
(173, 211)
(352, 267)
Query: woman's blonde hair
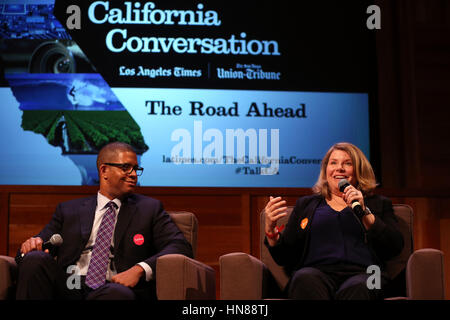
(362, 170)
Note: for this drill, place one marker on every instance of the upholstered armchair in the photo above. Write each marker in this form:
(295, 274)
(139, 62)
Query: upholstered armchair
(415, 274)
(178, 277)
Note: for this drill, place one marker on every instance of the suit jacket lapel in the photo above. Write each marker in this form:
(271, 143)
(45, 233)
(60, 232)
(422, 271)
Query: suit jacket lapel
(87, 214)
(123, 219)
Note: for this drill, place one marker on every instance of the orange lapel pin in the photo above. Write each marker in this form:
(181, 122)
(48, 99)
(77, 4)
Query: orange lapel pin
(304, 223)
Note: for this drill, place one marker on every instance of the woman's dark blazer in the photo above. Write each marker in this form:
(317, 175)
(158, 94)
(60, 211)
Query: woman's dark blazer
(383, 238)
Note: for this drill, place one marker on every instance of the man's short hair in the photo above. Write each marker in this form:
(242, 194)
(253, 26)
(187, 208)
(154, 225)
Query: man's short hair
(110, 151)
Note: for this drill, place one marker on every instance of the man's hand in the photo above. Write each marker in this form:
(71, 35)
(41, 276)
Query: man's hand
(31, 245)
(130, 277)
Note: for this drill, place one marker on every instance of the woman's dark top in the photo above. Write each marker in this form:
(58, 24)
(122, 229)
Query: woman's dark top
(293, 249)
(336, 237)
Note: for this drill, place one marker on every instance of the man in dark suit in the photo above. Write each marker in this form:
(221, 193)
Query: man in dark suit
(110, 240)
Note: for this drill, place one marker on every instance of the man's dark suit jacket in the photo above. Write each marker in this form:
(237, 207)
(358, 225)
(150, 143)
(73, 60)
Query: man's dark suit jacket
(138, 214)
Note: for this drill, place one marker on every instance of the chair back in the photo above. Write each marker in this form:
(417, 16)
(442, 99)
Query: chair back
(277, 271)
(394, 267)
(188, 224)
(404, 215)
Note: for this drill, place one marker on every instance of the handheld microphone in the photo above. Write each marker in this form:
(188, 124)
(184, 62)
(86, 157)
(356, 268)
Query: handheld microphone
(55, 241)
(356, 206)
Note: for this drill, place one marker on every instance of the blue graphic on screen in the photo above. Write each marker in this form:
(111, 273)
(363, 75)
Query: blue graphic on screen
(77, 113)
(30, 20)
(193, 150)
(58, 112)
(63, 92)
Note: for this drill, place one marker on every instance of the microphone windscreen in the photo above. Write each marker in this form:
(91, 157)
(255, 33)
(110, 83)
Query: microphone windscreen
(56, 240)
(343, 183)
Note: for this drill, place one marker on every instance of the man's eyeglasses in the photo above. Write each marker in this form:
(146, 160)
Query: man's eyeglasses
(127, 168)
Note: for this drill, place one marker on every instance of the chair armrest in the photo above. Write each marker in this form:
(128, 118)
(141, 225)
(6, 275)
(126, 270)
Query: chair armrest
(182, 278)
(241, 277)
(425, 275)
(8, 273)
